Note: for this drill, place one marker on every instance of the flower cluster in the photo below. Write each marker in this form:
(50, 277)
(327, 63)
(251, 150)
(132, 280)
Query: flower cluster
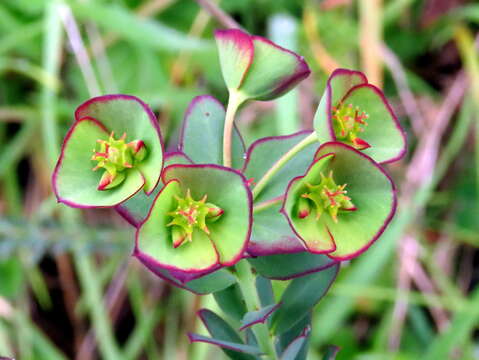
(320, 193)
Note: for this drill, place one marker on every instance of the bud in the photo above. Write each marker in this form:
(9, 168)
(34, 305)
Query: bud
(109, 181)
(178, 236)
(138, 149)
(303, 208)
(360, 144)
(214, 212)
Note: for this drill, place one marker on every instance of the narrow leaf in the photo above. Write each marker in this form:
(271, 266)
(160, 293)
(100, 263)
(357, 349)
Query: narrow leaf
(300, 297)
(220, 330)
(231, 302)
(296, 345)
(247, 349)
(254, 317)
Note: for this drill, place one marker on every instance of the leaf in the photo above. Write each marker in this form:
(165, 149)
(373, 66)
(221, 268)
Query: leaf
(265, 291)
(211, 283)
(139, 31)
(300, 296)
(236, 51)
(154, 246)
(383, 132)
(295, 347)
(201, 137)
(231, 302)
(220, 330)
(288, 266)
(273, 72)
(227, 189)
(255, 317)
(264, 153)
(125, 114)
(74, 181)
(286, 338)
(271, 234)
(371, 190)
(227, 346)
(205, 284)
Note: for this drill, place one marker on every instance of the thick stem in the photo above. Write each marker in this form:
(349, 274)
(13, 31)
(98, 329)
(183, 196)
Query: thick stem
(246, 282)
(234, 102)
(278, 165)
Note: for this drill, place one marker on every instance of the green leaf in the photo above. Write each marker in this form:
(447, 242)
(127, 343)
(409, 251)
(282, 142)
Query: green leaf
(154, 242)
(128, 114)
(221, 331)
(300, 296)
(383, 132)
(236, 51)
(264, 153)
(227, 189)
(286, 338)
(371, 191)
(75, 183)
(287, 266)
(217, 281)
(231, 302)
(271, 234)
(273, 72)
(229, 347)
(202, 133)
(260, 316)
(265, 290)
(206, 284)
(294, 349)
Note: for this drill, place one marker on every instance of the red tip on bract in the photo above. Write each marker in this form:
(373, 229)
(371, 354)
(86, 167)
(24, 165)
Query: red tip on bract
(361, 144)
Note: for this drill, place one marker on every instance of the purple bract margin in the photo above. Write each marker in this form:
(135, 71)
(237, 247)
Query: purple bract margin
(388, 218)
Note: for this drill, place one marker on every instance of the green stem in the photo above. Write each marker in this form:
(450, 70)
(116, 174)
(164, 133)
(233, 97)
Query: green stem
(246, 282)
(278, 165)
(267, 204)
(234, 101)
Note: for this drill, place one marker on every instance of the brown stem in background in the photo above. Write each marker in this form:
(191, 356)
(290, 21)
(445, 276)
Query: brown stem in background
(321, 55)
(408, 100)
(223, 18)
(370, 38)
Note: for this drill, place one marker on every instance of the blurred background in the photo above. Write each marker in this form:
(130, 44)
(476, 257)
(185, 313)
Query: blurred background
(68, 286)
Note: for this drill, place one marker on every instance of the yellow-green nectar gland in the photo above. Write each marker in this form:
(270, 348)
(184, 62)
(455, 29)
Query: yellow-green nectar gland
(115, 156)
(189, 215)
(348, 123)
(326, 196)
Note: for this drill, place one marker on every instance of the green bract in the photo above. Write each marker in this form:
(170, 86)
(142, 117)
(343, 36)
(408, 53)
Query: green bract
(255, 68)
(113, 149)
(341, 204)
(357, 113)
(200, 220)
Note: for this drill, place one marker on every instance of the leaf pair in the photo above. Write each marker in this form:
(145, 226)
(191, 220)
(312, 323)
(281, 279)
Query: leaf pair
(78, 182)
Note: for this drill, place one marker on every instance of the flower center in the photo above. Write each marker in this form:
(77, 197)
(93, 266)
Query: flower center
(115, 156)
(348, 123)
(191, 214)
(325, 196)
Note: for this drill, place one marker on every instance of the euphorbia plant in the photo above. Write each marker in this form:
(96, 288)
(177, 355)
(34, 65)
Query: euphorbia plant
(227, 221)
